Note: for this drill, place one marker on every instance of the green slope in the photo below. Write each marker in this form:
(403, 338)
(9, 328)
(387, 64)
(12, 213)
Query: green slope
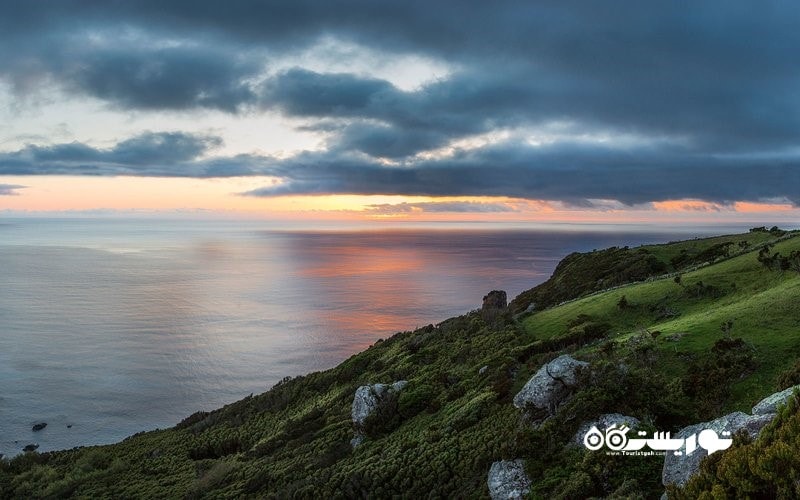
(440, 436)
(761, 304)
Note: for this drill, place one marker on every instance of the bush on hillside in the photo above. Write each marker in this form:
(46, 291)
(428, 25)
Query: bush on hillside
(764, 468)
(790, 377)
(708, 381)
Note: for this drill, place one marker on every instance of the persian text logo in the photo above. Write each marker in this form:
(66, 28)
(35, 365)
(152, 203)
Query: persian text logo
(616, 439)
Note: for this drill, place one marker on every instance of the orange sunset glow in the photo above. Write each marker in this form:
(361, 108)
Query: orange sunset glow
(225, 197)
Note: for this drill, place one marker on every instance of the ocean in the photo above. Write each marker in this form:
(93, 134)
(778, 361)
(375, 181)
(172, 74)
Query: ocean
(113, 326)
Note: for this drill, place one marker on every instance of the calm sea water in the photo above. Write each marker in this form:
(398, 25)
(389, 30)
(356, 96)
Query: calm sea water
(110, 327)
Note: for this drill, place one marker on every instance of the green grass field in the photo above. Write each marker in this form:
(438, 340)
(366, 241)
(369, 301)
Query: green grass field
(762, 305)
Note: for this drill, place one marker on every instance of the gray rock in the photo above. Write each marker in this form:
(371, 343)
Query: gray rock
(602, 423)
(399, 385)
(483, 370)
(550, 385)
(366, 400)
(507, 480)
(771, 403)
(679, 469)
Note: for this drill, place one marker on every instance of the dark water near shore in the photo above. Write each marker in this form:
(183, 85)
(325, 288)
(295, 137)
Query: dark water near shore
(118, 326)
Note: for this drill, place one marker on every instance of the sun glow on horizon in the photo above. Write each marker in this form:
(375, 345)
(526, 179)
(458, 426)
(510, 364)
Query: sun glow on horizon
(224, 195)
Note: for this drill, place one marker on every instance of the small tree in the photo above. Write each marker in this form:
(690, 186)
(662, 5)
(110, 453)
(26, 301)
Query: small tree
(623, 303)
(677, 280)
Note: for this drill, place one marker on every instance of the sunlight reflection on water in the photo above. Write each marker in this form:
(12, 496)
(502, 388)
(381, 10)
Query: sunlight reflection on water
(117, 327)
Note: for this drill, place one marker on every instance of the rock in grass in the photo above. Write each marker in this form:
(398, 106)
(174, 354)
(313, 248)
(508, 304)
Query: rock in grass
(366, 400)
(508, 480)
(550, 385)
(679, 469)
(771, 403)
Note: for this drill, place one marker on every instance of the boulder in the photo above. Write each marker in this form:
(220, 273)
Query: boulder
(39, 426)
(496, 299)
(679, 469)
(771, 403)
(508, 480)
(550, 385)
(399, 385)
(602, 423)
(366, 400)
(483, 369)
(30, 447)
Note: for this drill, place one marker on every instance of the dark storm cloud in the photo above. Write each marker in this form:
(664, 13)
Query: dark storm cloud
(164, 78)
(129, 74)
(568, 172)
(383, 121)
(306, 93)
(572, 172)
(9, 189)
(709, 91)
(164, 153)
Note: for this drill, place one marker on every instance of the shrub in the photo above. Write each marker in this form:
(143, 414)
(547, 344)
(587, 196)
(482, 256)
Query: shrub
(415, 399)
(217, 449)
(212, 478)
(764, 468)
(385, 418)
(700, 290)
(709, 380)
(790, 377)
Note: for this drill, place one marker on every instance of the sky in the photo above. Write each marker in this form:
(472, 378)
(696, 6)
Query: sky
(585, 111)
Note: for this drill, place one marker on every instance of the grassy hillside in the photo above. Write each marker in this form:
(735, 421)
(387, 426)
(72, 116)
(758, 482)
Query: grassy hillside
(673, 352)
(581, 273)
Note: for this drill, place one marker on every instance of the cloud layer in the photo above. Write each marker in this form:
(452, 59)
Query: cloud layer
(9, 189)
(612, 100)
